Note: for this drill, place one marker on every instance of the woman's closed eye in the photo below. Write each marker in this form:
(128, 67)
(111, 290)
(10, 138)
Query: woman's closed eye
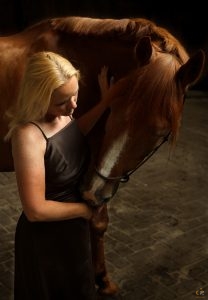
(62, 103)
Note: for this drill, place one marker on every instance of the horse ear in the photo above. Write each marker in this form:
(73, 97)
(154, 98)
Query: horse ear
(143, 50)
(192, 70)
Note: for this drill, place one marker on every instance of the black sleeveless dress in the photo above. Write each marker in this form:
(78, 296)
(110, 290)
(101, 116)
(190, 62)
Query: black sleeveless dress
(53, 259)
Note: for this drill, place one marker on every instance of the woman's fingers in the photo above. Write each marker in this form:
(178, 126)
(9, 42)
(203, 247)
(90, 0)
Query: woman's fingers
(102, 77)
(103, 81)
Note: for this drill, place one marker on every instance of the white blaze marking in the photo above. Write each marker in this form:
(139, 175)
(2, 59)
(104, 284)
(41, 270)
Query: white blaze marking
(113, 154)
(110, 159)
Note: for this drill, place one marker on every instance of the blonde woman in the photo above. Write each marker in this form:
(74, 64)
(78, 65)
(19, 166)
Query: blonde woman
(52, 241)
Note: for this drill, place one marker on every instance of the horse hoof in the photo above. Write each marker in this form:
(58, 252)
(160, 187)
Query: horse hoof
(110, 290)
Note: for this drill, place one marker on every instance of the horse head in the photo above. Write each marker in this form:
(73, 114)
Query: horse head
(145, 110)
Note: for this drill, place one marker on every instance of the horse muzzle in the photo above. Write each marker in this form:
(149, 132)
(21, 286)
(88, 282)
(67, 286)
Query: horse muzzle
(100, 196)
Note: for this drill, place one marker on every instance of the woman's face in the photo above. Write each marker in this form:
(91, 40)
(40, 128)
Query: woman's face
(64, 99)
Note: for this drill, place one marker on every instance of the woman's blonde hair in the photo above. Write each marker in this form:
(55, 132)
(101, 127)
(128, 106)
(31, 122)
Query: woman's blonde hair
(45, 72)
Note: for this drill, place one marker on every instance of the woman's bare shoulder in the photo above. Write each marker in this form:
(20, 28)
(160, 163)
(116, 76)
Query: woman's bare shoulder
(27, 132)
(28, 135)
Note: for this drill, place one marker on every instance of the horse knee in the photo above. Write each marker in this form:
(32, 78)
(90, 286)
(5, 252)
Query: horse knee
(100, 227)
(99, 222)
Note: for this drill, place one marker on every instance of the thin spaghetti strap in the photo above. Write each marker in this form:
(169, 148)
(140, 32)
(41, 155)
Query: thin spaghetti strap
(40, 129)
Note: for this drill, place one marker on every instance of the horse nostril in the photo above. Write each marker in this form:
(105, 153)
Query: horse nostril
(106, 200)
(101, 198)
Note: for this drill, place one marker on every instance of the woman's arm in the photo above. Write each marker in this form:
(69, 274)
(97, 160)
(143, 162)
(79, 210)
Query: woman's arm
(28, 147)
(89, 119)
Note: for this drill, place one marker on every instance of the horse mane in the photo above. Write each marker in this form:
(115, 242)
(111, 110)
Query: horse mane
(130, 30)
(94, 27)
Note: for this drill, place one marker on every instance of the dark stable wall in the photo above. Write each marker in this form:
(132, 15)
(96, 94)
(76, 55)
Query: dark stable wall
(187, 21)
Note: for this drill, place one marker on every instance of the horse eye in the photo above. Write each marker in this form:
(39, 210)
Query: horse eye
(112, 80)
(161, 133)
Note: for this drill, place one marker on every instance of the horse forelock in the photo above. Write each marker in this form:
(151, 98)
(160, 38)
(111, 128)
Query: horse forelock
(155, 93)
(168, 43)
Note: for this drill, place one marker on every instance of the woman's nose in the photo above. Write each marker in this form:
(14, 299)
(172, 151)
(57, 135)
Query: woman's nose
(73, 104)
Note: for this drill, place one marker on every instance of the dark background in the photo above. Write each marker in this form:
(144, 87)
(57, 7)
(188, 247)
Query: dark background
(186, 20)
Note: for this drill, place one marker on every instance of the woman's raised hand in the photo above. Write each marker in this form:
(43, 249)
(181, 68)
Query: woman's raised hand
(104, 84)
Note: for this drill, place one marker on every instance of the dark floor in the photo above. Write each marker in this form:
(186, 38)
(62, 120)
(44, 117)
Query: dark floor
(157, 240)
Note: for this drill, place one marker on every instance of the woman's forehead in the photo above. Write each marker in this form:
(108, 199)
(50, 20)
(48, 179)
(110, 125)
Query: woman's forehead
(68, 89)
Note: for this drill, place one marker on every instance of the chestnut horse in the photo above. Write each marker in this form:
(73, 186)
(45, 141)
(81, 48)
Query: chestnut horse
(152, 72)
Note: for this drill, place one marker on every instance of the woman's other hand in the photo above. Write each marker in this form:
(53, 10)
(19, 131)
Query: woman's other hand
(104, 84)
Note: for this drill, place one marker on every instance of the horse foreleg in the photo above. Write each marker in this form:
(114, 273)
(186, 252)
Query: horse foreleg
(99, 226)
